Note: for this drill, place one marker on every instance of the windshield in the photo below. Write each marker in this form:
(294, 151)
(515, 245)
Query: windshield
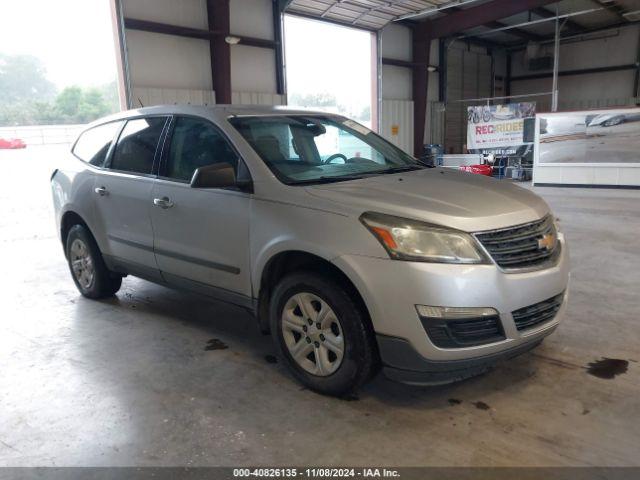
(301, 149)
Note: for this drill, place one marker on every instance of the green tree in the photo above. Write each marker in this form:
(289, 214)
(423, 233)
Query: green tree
(23, 78)
(68, 102)
(77, 105)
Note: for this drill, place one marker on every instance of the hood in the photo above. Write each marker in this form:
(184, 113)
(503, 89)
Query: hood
(460, 200)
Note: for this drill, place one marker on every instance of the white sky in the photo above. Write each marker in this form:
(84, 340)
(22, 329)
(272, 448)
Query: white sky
(72, 37)
(324, 57)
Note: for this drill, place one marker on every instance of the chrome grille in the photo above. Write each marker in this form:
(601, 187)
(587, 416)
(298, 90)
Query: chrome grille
(522, 246)
(537, 313)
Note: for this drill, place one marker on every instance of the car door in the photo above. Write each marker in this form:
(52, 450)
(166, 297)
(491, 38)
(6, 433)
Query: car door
(123, 197)
(201, 236)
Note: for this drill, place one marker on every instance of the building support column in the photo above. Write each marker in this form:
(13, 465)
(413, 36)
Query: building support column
(636, 82)
(281, 83)
(421, 50)
(218, 18)
(556, 63)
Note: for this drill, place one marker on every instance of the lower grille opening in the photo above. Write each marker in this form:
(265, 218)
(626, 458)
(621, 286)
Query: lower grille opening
(538, 313)
(466, 332)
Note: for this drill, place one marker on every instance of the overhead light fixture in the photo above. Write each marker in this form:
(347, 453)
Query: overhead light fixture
(431, 68)
(231, 40)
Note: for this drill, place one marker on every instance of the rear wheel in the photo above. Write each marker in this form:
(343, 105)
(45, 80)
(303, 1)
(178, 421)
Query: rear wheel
(322, 334)
(88, 270)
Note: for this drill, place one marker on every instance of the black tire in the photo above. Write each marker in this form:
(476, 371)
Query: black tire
(104, 283)
(360, 358)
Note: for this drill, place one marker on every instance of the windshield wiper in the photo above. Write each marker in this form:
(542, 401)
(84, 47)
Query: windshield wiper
(402, 168)
(325, 179)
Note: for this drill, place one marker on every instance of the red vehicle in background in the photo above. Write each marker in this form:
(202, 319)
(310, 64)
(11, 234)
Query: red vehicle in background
(12, 143)
(477, 169)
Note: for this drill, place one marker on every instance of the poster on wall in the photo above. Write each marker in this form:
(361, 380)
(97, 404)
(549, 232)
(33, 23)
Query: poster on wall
(502, 127)
(610, 136)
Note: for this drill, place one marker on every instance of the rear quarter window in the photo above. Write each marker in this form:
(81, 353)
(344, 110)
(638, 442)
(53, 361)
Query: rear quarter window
(92, 145)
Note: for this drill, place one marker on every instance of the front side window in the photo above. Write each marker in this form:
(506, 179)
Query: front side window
(93, 145)
(316, 149)
(196, 143)
(136, 147)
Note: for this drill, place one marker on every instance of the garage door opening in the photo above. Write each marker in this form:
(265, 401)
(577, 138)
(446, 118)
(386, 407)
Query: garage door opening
(331, 68)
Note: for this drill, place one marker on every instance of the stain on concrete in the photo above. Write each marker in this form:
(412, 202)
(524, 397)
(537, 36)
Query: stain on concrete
(481, 406)
(585, 411)
(607, 368)
(271, 358)
(454, 401)
(216, 344)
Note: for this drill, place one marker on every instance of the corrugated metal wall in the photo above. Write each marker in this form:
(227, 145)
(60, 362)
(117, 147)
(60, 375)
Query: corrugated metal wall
(148, 96)
(179, 68)
(254, 98)
(168, 96)
(468, 76)
(396, 123)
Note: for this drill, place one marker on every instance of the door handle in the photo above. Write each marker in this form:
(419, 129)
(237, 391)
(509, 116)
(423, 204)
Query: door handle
(102, 191)
(163, 202)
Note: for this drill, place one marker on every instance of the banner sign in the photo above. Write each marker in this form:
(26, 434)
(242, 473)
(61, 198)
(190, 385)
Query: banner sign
(498, 126)
(609, 136)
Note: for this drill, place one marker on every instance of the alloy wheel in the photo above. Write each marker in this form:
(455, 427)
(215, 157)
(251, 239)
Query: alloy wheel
(82, 263)
(313, 334)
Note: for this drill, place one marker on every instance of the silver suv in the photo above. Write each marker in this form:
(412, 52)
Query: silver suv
(353, 254)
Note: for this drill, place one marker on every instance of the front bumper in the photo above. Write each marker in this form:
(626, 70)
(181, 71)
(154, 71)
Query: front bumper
(403, 364)
(391, 289)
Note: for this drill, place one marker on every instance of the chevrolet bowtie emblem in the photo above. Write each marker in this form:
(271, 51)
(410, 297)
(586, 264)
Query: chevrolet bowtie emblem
(547, 242)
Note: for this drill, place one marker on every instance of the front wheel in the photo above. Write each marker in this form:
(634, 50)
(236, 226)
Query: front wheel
(88, 270)
(322, 334)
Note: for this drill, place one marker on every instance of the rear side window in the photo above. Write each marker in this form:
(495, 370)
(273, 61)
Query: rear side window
(93, 145)
(196, 143)
(137, 145)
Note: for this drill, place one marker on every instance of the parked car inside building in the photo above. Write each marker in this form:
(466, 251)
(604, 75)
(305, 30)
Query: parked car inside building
(353, 254)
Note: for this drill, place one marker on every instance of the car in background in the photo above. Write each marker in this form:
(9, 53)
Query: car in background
(611, 119)
(12, 144)
(480, 169)
(354, 255)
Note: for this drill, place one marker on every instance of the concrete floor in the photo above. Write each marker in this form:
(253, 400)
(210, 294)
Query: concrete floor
(130, 381)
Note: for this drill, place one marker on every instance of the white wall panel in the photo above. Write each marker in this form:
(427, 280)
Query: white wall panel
(396, 123)
(622, 176)
(396, 83)
(186, 13)
(168, 96)
(167, 61)
(252, 18)
(253, 69)
(396, 42)
(256, 98)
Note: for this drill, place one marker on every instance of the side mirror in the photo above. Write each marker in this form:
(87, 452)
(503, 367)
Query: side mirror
(218, 175)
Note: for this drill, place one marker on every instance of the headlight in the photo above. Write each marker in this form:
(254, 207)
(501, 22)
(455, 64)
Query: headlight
(412, 240)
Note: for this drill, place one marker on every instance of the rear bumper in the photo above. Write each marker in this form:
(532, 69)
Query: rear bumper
(402, 363)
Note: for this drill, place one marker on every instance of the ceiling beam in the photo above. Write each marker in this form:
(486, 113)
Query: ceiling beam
(480, 42)
(585, 33)
(612, 7)
(571, 25)
(516, 32)
(584, 71)
(479, 15)
(188, 32)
